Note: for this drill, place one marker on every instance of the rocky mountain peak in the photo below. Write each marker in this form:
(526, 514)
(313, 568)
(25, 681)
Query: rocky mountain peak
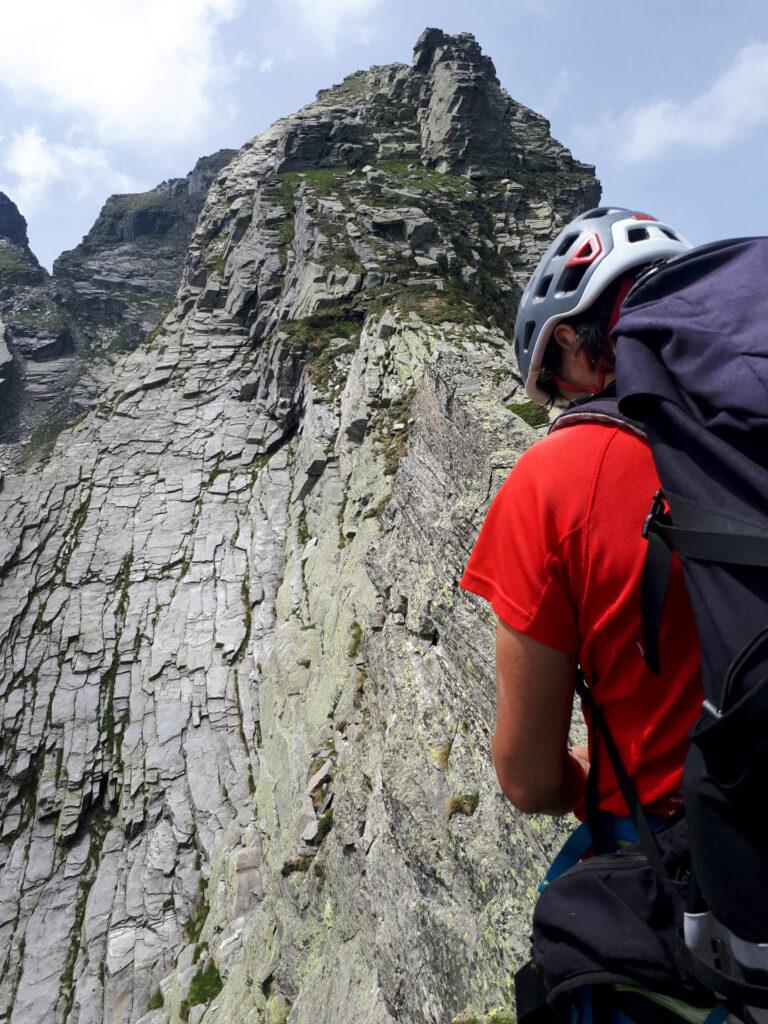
(172, 207)
(434, 45)
(18, 266)
(244, 741)
(12, 225)
(446, 110)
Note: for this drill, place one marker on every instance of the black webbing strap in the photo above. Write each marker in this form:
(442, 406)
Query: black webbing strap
(653, 595)
(676, 524)
(734, 986)
(592, 788)
(637, 814)
(697, 532)
(531, 997)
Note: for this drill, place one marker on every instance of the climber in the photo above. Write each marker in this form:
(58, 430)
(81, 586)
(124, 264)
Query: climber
(560, 557)
(560, 554)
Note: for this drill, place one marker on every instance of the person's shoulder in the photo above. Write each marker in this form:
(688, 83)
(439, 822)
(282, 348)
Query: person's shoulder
(562, 468)
(576, 446)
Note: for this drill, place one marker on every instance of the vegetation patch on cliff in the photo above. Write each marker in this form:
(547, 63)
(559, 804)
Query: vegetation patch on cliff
(314, 338)
(206, 985)
(532, 413)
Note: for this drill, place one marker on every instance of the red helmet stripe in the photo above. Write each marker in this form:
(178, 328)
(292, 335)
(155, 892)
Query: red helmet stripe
(643, 216)
(587, 252)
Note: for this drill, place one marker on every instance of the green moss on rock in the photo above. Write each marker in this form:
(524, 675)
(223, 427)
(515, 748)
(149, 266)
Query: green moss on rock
(205, 986)
(156, 1001)
(195, 924)
(357, 638)
(532, 413)
(312, 337)
(17, 266)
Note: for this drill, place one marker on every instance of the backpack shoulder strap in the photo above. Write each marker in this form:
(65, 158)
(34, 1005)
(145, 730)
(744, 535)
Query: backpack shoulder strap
(600, 408)
(675, 523)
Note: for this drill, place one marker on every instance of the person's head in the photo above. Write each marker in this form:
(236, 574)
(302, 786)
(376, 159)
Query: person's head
(572, 301)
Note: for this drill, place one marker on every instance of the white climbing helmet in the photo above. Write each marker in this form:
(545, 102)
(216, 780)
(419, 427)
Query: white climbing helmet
(588, 255)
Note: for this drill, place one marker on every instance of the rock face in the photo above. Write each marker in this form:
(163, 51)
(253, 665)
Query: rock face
(13, 227)
(244, 767)
(127, 268)
(64, 332)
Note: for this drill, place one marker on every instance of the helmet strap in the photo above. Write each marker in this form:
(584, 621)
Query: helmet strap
(624, 289)
(579, 389)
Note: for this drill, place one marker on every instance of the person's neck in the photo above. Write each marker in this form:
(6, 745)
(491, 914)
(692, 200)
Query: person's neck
(571, 390)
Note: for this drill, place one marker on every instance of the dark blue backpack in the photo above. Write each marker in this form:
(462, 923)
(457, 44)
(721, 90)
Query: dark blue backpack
(683, 911)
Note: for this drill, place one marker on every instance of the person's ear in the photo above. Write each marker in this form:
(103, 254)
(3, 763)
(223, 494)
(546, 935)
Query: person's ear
(565, 336)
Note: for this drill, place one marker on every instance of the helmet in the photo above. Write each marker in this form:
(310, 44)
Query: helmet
(588, 255)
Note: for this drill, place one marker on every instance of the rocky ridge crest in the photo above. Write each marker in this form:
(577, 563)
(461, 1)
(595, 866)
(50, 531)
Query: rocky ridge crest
(245, 771)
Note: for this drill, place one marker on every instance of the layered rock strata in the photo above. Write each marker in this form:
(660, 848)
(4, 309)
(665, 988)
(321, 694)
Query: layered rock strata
(245, 772)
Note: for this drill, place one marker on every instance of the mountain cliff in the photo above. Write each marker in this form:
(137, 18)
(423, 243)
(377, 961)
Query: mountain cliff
(244, 770)
(60, 335)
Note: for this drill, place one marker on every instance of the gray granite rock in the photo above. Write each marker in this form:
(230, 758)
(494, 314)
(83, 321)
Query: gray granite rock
(241, 695)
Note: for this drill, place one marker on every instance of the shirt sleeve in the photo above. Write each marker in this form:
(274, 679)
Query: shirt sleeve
(526, 556)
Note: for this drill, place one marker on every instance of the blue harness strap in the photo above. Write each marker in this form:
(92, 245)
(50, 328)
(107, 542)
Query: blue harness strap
(717, 1014)
(571, 852)
(579, 842)
(582, 1011)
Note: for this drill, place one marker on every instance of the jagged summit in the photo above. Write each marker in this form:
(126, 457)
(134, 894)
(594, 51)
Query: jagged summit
(447, 110)
(433, 44)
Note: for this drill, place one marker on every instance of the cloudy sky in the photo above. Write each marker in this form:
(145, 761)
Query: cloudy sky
(669, 98)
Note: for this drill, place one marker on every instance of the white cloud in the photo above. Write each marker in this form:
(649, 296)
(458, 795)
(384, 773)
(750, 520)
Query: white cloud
(266, 65)
(147, 71)
(733, 105)
(33, 165)
(327, 19)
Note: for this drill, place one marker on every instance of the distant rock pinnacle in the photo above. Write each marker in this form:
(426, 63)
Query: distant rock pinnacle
(12, 225)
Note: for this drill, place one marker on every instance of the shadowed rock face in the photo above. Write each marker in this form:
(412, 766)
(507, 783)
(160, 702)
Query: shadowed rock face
(244, 759)
(63, 333)
(12, 224)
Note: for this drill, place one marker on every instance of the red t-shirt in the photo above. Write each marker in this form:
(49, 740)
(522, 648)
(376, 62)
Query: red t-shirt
(560, 557)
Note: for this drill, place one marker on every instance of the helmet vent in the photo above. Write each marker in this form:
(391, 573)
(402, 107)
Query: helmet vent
(543, 288)
(599, 211)
(528, 334)
(637, 234)
(670, 234)
(571, 278)
(566, 244)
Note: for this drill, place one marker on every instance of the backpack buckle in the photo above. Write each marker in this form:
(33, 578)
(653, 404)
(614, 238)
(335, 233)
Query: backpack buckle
(655, 512)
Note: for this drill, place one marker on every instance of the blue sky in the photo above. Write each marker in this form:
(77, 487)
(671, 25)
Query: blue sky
(669, 98)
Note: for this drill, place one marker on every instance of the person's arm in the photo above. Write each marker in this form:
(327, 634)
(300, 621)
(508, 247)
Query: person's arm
(534, 697)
